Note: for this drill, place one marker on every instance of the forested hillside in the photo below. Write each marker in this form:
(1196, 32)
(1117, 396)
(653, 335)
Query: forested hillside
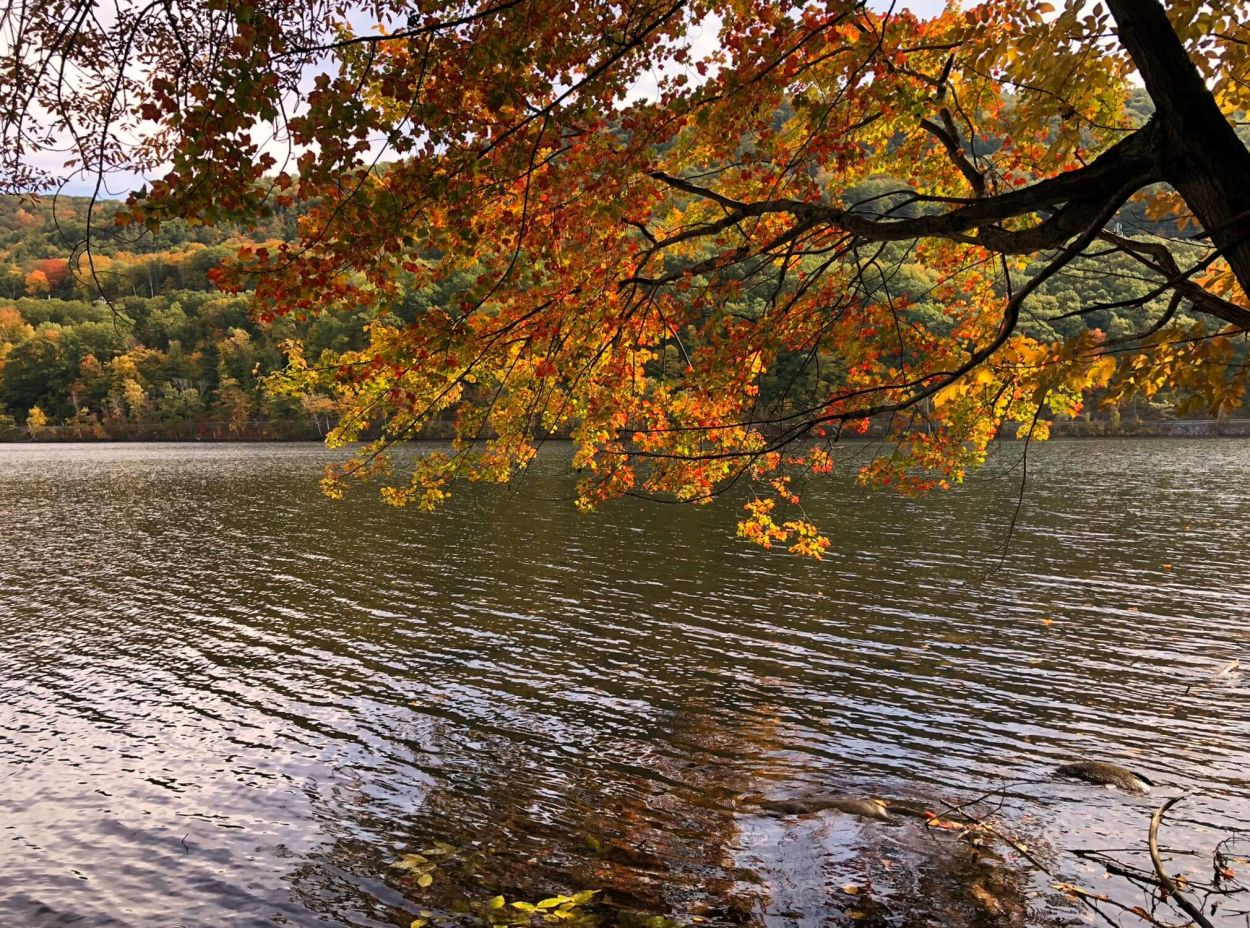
(138, 343)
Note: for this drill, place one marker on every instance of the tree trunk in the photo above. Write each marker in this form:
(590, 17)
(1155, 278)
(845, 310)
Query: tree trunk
(1202, 156)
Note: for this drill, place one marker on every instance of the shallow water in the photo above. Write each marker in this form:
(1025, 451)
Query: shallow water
(226, 700)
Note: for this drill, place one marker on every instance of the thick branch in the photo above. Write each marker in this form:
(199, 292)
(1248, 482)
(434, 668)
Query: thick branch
(1201, 155)
(1158, 257)
(1074, 196)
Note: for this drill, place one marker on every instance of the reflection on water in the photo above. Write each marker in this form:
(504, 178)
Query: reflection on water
(226, 700)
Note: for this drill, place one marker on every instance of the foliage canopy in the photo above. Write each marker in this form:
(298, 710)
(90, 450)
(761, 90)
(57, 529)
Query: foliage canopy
(621, 221)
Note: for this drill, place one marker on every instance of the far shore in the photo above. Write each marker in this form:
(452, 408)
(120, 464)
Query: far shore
(260, 432)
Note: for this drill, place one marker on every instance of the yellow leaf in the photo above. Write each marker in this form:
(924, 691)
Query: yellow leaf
(411, 862)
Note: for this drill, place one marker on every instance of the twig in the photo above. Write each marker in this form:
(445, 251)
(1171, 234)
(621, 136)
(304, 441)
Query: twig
(1084, 896)
(1191, 909)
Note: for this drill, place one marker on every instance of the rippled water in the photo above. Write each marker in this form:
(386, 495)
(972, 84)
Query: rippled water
(225, 700)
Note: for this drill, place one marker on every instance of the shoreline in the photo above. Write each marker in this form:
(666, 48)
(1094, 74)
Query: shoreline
(1060, 431)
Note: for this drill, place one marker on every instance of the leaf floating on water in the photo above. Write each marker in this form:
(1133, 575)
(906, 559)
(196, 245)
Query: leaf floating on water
(850, 889)
(425, 880)
(411, 862)
(496, 903)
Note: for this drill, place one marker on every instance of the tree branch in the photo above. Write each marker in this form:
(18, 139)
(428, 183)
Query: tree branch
(1075, 196)
(949, 138)
(1191, 909)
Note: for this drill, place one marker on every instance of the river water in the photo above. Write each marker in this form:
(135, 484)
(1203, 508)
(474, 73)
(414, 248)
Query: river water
(226, 700)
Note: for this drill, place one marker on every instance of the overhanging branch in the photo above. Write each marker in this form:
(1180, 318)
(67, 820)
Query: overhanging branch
(1072, 198)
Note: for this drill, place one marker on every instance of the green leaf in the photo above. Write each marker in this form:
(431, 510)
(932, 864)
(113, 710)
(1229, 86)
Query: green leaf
(496, 903)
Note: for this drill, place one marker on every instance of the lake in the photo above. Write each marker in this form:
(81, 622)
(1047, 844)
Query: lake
(227, 700)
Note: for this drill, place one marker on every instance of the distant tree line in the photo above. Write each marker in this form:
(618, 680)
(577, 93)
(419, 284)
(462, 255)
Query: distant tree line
(137, 342)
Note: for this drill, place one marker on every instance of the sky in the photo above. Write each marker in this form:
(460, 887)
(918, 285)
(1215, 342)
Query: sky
(120, 184)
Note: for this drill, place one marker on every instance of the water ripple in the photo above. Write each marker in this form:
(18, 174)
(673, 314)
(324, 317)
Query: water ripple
(225, 699)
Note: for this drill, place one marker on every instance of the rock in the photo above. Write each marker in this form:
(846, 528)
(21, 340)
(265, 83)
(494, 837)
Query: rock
(1105, 774)
(985, 899)
(809, 805)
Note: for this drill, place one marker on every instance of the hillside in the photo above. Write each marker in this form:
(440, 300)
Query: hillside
(139, 344)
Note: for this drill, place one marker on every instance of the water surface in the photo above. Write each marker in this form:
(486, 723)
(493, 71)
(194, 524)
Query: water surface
(226, 700)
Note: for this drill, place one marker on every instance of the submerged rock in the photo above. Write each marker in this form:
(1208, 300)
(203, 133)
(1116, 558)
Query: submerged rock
(808, 805)
(1105, 774)
(838, 871)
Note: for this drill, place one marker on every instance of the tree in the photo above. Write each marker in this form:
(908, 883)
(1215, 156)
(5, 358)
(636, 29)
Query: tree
(36, 372)
(37, 283)
(627, 232)
(233, 405)
(12, 281)
(36, 421)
